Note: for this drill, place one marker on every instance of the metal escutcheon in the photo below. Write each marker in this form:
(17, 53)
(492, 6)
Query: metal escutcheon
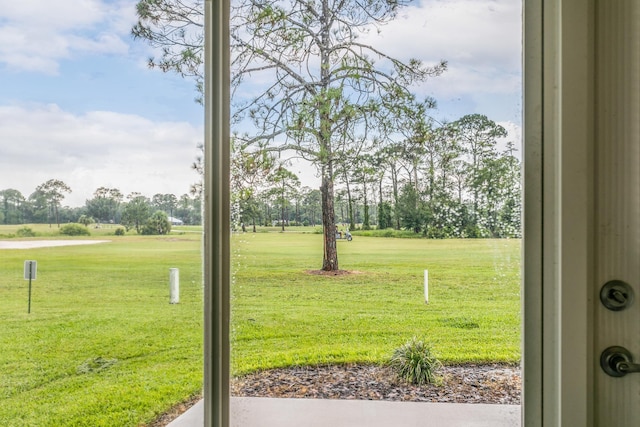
(616, 295)
(617, 361)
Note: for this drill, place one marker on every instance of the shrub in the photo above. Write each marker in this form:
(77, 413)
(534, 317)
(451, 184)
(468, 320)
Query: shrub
(25, 232)
(74, 230)
(388, 232)
(119, 231)
(86, 220)
(415, 363)
(157, 224)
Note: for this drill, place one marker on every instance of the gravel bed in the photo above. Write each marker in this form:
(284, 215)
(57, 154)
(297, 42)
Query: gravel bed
(493, 383)
(469, 383)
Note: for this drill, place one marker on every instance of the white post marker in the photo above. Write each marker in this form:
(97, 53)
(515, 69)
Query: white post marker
(174, 286)
(30, 269)
(426, 286)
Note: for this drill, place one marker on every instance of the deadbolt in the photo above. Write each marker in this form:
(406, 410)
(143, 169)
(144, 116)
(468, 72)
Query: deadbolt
(617, 361)
(616, 295)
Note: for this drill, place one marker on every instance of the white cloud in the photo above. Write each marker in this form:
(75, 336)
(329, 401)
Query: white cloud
(514, 135)
(481, 40)
(129, 152)
(36, 34)
(52, 14)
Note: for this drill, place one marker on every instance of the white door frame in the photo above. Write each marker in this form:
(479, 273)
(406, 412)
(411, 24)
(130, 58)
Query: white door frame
(582, 208)
(557, 315)
(558, 188)
(217, 224)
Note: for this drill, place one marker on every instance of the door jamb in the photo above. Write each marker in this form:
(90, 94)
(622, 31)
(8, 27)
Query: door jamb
(558, 206)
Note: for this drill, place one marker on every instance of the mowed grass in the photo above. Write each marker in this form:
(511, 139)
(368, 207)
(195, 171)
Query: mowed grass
(103, 346)
(283, 315)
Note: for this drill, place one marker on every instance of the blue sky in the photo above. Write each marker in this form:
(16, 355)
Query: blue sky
(78, 103)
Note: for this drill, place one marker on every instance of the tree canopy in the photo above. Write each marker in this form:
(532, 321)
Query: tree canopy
(321, 85)
(53, 192)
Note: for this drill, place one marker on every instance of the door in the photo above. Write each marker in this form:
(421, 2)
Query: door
(582, 206)
(617, 210)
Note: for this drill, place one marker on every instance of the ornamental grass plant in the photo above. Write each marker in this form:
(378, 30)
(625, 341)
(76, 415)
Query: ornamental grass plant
(415, 363)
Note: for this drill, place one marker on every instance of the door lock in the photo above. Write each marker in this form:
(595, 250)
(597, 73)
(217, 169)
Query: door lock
(616, 295)
(617, 361)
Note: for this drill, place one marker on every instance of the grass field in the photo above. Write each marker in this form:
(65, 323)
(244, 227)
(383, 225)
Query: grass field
(282, 315)
(103, 346)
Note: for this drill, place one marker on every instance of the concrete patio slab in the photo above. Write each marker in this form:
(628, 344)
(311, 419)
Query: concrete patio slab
(271, 412)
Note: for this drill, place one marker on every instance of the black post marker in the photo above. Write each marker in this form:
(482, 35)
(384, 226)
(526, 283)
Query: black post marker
(30, 274)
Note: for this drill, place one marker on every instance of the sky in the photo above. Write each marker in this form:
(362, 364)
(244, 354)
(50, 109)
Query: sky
(79, 104)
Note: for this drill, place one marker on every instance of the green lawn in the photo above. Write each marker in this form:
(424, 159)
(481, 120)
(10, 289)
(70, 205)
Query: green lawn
(284, 316)
(103, 346)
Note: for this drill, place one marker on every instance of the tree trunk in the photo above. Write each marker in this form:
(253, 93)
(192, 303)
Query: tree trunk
(432, 175)
(352, 222)
(282, 208)
(330, 257)
(57, 215)
(365, 221)
(394, 180)
(380, 208)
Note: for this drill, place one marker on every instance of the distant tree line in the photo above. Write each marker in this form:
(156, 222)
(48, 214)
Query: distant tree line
(106, 206)
(442, 181)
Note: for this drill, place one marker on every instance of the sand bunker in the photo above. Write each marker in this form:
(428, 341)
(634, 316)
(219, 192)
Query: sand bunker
(31, 244)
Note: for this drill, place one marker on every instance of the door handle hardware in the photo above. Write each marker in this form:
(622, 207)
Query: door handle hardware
(617, 361)
(616, 295)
